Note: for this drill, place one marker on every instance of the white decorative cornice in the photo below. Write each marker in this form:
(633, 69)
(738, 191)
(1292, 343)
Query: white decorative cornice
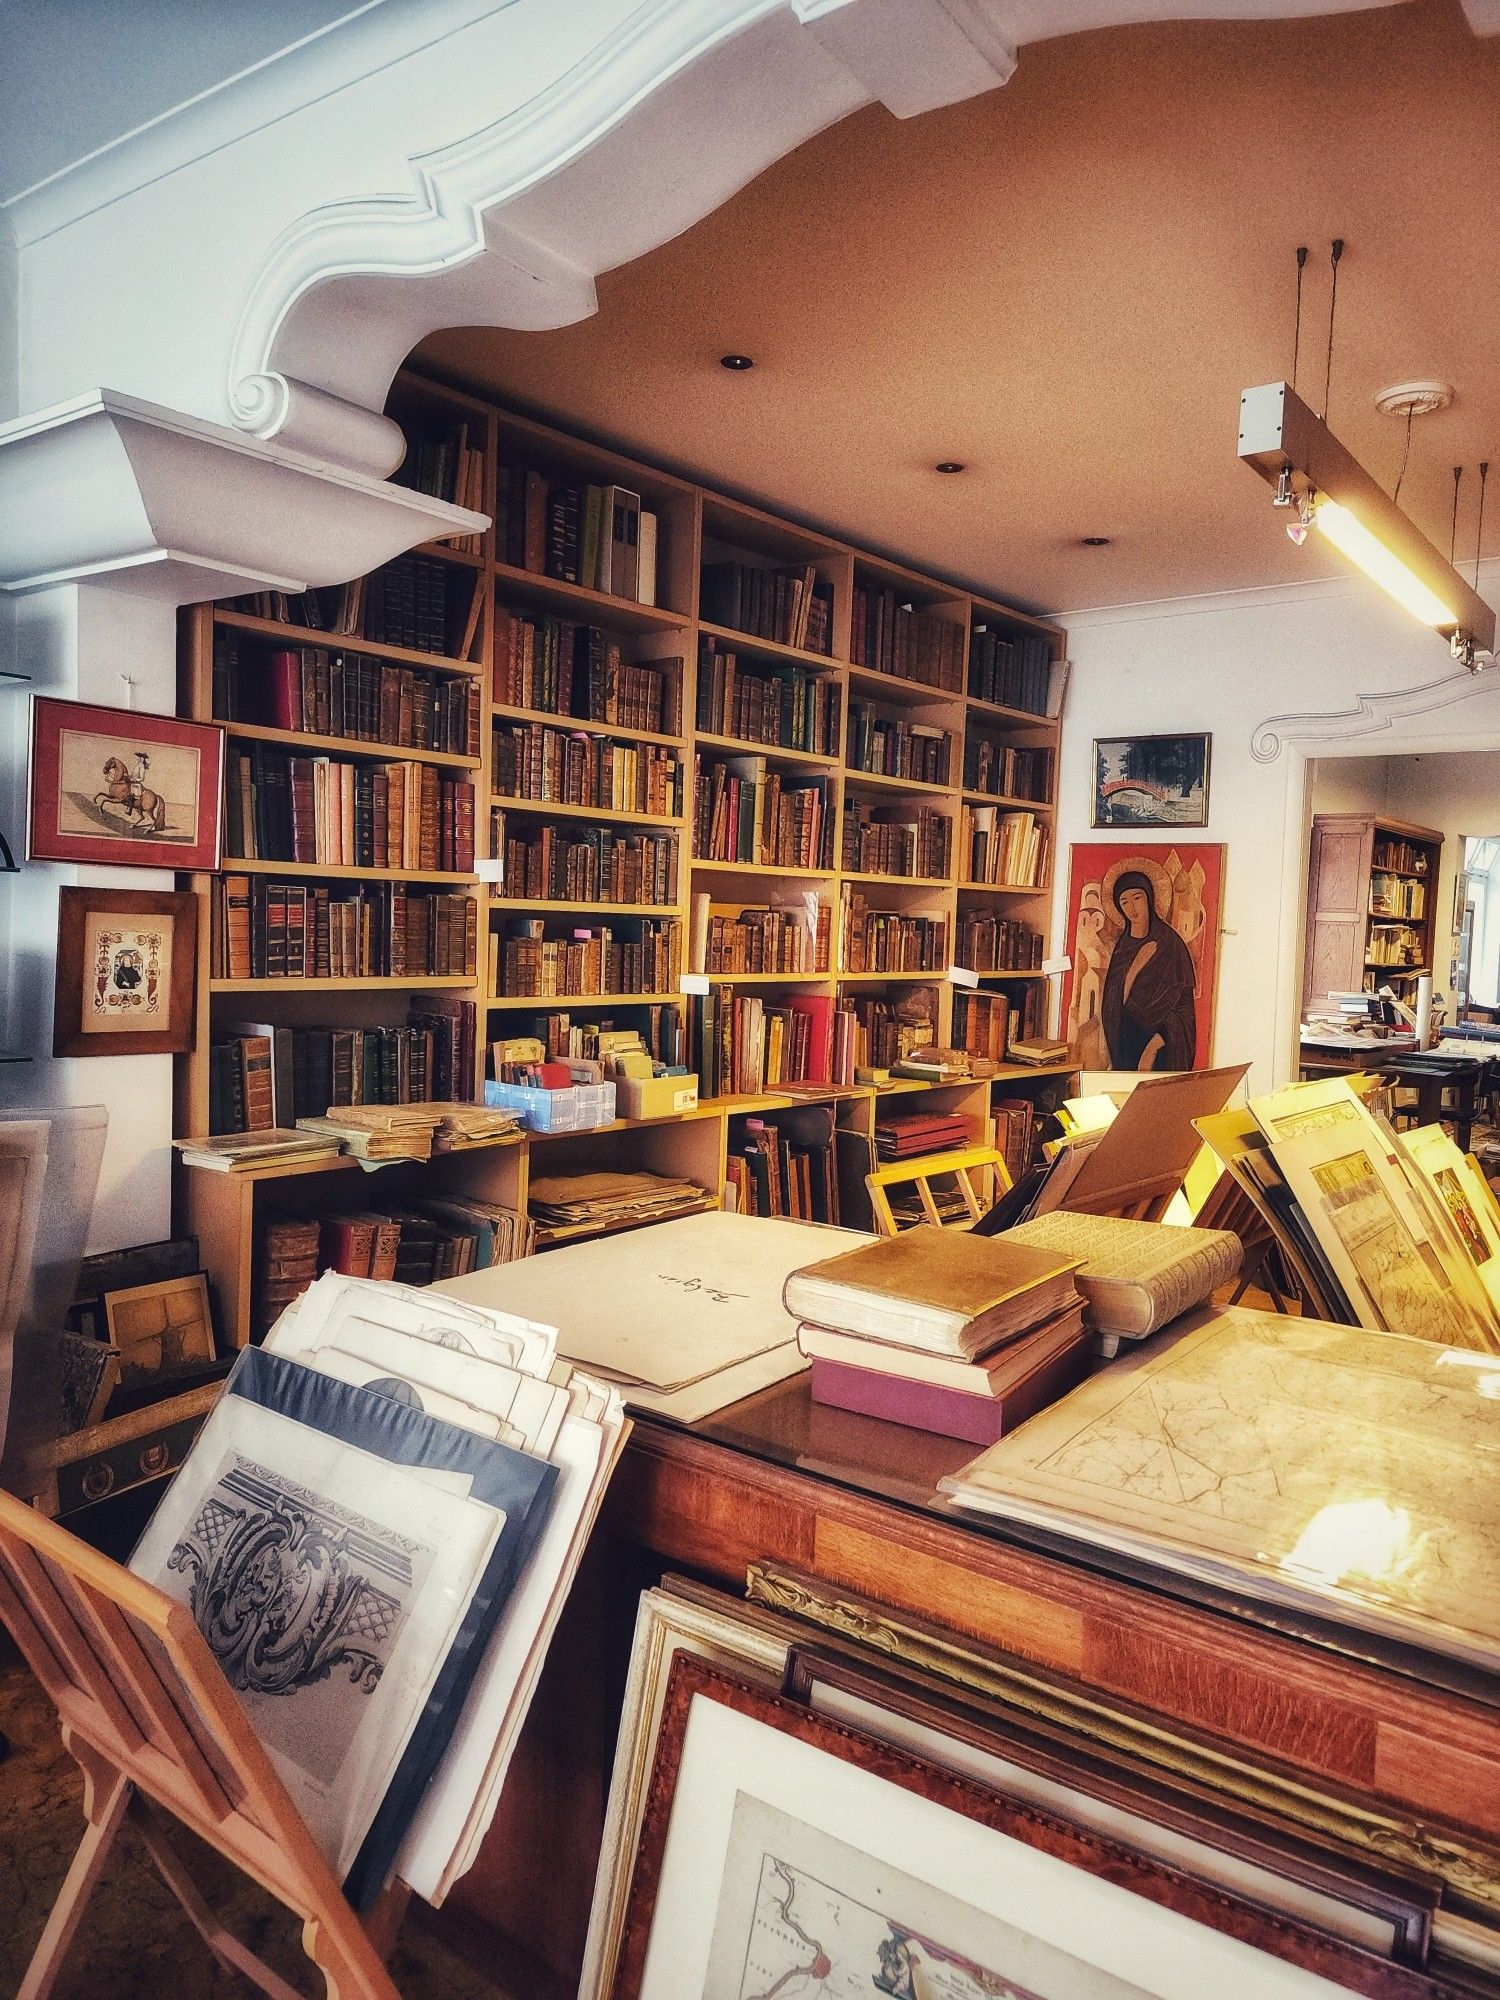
(1370, 715)
(108, 485)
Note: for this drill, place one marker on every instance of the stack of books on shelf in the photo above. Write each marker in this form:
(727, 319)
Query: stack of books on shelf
(244, 1152)
(1014, 670)
(419, 602)
(579, 1204)
(991, 1024)
(335, 813)
(646, 957)
(597, 536)
(566, 668)
(903, 1135)
(784, 1165)
(447, 462)
(559, 767)
(739, 1046)
(894, 638)
(263, 1075)
(887, 1031)
(327, 693)
(596, 864)
(792, 607)
(745, 809)
(658, 1024)
(942, 1331)
(1009, 770)
(896, 748)
(264, 929)
(789, 707)
(1005, 848)
(459, 1466)
(889, 940)
(412, 1131)
(987, 942)
(742, 937)
(895, 840)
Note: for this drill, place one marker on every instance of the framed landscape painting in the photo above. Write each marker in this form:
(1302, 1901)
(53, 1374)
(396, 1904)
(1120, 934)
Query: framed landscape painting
(1143, 939)
(117, 786)
(1151, 781)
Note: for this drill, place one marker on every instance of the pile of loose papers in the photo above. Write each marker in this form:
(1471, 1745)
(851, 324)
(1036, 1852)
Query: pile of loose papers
(563, 1202)
(376, 1531)
(411, 1131)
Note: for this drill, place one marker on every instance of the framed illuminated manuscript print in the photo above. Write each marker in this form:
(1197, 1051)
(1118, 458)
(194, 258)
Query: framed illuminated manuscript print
(117, 786)
(126, 961)
(1143, 941)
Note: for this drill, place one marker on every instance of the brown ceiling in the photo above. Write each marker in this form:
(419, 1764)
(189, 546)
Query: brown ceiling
(1066, 284)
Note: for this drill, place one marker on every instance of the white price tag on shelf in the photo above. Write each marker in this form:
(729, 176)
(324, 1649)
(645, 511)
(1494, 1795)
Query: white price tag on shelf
(490, 871)
(960, 975)
(1063, 964)
(693, 982)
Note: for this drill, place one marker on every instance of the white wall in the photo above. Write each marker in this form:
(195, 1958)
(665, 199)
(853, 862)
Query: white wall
(1351, 785)
(1227, 665)
(10, 300)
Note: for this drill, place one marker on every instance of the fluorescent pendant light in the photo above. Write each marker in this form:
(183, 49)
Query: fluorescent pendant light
(1381, 565)
(1296, 453)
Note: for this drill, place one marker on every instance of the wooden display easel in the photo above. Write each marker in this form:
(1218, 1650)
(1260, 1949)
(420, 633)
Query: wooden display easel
(152, 1723)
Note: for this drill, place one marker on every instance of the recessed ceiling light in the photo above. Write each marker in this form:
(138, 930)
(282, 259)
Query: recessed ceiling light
(738, 362)
(949, 465)
(1093, 541)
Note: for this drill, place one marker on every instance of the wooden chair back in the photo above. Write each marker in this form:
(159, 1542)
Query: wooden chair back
(928, 1167)
(148, 1715)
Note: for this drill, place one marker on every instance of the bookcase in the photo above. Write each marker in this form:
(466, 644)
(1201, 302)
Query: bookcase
(1371, 889)
(757, 777)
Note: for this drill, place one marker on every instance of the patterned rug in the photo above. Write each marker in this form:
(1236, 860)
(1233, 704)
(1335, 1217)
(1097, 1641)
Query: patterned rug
(135, 1941)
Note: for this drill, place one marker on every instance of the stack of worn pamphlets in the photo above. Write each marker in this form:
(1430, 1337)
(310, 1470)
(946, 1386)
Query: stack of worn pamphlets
(562, 1204)
(376, 1530)
(1286, 1460)
(1134, 1276)
(411, 1131)
(239, 1152)
(942, 1330)
(685, 1318)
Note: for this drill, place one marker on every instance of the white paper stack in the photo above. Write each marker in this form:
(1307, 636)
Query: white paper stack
(499, 1375)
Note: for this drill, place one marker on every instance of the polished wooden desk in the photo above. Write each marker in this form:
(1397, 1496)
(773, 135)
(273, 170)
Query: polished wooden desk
(850, 1501)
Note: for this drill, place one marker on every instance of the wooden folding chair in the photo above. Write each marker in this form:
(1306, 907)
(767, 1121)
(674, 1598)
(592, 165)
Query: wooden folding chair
(152, 1723)
(926, 1168)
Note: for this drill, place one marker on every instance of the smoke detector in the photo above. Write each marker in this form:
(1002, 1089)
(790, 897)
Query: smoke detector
(1417, 399)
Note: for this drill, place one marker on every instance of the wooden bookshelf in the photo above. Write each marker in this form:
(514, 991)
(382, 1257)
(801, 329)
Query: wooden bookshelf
(1371, 889)
(696, 527)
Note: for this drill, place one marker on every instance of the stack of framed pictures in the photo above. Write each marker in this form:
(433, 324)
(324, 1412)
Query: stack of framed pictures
(375, 1531)
(805, 1810)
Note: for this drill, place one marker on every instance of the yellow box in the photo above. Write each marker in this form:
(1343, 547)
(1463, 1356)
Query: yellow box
(654, 1096)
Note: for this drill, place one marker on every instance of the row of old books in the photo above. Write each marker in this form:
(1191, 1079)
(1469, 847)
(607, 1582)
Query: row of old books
(986, 942)
(1008, 770)
(745, 937)
(418, 602)
(990, 1024)
(659, 1024)
(894, 637)
(264, 929)
(740, 1046)
(941, 1330)
(602, 960)
(1397, 896)
(890, 940)
(784, 1164)
(887, 1030)
(447, 462)
(331, 812)
(793, 708)
(597, 536)
(559, 767)
(744, 809)
(264, 1075)
(895, 748)
(1009, 848)
(792, 607)
(325, 693)
(563, 667)
(895, 840)
(543, 861)
(1014, 670)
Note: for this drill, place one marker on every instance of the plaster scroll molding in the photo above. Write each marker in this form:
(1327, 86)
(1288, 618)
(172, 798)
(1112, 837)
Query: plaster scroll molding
(1371, 714)
(311, 420)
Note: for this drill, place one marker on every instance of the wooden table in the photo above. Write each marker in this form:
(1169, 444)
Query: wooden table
(1430, 1073)
(850, 1500)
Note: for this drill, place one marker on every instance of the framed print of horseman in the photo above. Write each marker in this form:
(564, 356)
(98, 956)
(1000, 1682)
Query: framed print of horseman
(117, 786)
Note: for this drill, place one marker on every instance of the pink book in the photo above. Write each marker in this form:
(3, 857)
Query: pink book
(949, 1412)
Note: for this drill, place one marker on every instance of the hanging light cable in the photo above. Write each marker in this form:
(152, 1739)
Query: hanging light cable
(1297, 320)
(1484, 473)
(1337, 252)
(1411, 411)
(1458, 473)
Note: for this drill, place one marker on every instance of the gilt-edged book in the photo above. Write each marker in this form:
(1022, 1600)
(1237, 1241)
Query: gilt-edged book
(944, 1291)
